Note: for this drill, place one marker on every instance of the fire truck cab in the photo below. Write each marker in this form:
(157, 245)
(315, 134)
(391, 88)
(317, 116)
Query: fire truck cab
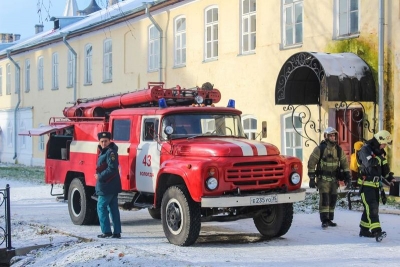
(180, 157)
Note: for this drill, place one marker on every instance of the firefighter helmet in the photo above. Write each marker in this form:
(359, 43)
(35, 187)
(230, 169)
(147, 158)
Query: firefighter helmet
(329, 130)
(383, 137)
(358, 145)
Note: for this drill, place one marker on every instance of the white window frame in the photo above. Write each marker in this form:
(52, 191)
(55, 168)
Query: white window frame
(290, 21)
(54, 73)
(1, 81)
(88, 64)
(180, 41)
(70, 69)
(10, 134)
(41, 140)
(154, 49)
(107, 60)
(248, 28)
(22, 138)
(27, 75)
(343, 17)
(8, 79)
(17, 77)
(211, 28)
(251, 132)
(293, 134)
(40, 73)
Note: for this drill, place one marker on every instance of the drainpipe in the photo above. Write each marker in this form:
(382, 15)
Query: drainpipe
(147, 6)
(19, 101)
(64, 35)
(380, 62)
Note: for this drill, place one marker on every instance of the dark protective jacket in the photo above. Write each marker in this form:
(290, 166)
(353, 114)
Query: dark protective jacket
(372, 163)
(107, 169)
(330, 160)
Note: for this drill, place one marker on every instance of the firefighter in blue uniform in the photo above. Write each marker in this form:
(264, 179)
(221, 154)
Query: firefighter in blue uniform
(374, 170)
(108, 185)
(324, 164)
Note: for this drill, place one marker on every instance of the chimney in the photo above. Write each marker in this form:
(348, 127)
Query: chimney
(112, 2)
(17, 36)
(38, 28)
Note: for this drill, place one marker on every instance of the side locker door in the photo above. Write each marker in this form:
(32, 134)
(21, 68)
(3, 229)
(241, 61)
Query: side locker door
(121, 128)
(148, 155)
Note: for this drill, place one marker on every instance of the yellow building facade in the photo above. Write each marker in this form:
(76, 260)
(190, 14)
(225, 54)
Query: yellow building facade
(239, 46)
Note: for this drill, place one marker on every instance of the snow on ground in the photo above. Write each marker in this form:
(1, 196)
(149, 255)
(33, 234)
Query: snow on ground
(38, 219)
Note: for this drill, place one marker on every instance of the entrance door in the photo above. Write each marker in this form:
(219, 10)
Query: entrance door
(349, 126)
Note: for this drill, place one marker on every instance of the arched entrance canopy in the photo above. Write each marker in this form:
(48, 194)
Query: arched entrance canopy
(306, 77)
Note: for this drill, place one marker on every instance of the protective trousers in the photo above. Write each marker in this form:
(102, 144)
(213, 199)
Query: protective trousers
(370, 216)
(327, 198)
(107, 206)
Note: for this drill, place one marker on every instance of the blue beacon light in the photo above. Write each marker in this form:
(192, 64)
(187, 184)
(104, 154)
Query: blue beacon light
(162, 103)
(231, 103)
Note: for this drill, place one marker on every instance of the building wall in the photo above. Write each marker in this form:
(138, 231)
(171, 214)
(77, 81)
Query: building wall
(250, 79)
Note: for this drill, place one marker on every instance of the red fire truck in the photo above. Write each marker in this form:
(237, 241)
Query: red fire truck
(180, 157)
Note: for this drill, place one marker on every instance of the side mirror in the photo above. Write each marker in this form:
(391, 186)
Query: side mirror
(264, 129)
(168, 131)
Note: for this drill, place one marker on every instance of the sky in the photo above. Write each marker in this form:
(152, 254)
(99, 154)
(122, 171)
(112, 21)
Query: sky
(21, 16)
(38, 219)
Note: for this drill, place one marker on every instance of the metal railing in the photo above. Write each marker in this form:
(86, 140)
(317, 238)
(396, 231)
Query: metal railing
(5, 227)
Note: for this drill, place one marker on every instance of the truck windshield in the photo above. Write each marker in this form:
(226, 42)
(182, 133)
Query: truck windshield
(192, 125)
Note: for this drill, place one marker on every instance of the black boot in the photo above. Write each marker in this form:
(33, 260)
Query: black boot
(366, 233)
(325, 224)
(330, 223)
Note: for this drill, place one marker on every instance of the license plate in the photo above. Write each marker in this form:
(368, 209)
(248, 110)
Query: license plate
(264, 200)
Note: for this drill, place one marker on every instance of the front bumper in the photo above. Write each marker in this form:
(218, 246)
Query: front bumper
(253, 200)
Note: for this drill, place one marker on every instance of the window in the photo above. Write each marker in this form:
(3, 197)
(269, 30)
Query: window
(27, 75)
(211, 28)
(180, 41)
(1, 81)
(54, 80)
(292, 141)
(17, 78)
(22, 140)
(121, 130)
(70, 69)
(107, 60)
(292, 22)
(154, 49)
(8, 79)
(41, 140)
(40, 74)
(10, 134)
(249, 9)
(150, 129)
(250, 126)
(88, 64)
(347, 17)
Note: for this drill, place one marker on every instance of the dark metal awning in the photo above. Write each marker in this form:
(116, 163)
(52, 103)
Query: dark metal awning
(306, 77)
(43, 130)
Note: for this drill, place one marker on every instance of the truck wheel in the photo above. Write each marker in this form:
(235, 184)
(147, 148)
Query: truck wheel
(274, 220)
(180, 216)
(155, 213)
(82, 208)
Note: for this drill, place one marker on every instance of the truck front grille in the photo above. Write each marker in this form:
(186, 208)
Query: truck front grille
(255, 173)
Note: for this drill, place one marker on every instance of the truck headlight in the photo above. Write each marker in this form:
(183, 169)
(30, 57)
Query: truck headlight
(211, 183)
(295, 178)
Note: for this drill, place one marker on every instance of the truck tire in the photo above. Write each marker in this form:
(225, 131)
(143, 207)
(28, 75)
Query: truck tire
(82, 208)
(180, 216)
(155, 213)
(275, 220)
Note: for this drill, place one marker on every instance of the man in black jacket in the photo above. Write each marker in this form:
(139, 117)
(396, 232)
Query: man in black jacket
(374, 170)
(108, 185)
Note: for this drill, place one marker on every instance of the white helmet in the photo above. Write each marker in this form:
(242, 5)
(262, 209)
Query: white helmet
(383, 137)
(329, 130)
